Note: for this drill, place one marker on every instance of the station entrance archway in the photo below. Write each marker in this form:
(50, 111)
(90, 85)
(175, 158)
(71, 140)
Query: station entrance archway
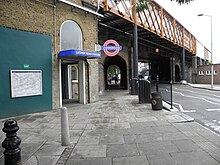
(121, 64)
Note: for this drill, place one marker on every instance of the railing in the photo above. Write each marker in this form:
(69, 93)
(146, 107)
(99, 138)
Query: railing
(152, 17)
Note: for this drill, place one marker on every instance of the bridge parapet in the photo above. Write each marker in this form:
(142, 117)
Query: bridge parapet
(154, 18)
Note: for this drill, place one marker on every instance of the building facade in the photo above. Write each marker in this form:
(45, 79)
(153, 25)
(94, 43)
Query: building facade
(33, 76)
(49, 58)
(204, 74)
(202, 71)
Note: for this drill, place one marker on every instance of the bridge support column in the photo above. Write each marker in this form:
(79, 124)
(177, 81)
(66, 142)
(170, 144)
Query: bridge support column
(134, 85)
(183, 64)
(135, 52)
(194, 65)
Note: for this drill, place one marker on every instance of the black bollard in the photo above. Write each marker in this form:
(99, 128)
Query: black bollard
(157, 83)
(11, 143)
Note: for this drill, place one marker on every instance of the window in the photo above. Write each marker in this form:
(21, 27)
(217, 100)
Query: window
(215, 72)
(74, 72)
(208, 72)
(201, 72)
(70, 36)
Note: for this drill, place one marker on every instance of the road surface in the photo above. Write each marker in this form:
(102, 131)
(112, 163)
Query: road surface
(201, 104)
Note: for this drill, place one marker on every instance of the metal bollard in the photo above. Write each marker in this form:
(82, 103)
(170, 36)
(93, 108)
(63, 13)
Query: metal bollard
(157, 83)
(11, 143)
(65, 133)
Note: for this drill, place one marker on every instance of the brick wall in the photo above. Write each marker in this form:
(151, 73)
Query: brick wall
(204, 74)
(42, 17)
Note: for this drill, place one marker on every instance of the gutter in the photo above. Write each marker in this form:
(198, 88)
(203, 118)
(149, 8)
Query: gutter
(81, 7)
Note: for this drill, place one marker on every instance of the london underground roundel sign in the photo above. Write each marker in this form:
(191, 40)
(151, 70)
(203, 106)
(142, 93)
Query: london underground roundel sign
(116, 48)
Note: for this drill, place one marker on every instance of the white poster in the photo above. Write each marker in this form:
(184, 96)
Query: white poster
(26, 83)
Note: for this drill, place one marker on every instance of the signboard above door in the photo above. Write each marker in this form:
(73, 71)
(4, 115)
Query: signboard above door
(78, 53)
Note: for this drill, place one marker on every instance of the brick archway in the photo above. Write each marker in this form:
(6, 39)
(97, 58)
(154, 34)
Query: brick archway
(120, 62)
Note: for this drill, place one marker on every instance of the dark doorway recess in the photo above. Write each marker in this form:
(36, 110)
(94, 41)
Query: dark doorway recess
(160, 66)
(177, 73)
(121, 64)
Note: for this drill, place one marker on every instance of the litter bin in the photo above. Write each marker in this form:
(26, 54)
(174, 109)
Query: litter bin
(134, 86)
(156, 101)
(144, 91)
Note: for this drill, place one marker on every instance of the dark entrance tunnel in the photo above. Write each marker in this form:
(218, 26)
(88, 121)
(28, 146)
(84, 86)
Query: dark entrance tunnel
(160, 67)
(121, 64)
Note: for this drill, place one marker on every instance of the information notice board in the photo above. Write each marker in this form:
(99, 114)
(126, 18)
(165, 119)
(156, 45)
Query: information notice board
(26, 83)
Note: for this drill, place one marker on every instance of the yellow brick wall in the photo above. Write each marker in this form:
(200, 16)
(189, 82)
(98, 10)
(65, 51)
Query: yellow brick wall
(41, 16)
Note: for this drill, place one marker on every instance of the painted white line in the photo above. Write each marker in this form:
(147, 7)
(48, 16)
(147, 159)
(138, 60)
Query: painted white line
(199, 98)
(209, 124)
(182, 94)
(217, 128)
(212, 110)
(190, 111)
(184, 90)
(207, 101)
(216, 96)
(182, 110)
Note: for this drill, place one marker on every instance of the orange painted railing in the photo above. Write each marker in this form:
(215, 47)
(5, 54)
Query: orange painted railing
(154, 19)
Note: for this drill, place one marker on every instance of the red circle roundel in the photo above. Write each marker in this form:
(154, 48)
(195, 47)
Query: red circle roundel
(115, 52)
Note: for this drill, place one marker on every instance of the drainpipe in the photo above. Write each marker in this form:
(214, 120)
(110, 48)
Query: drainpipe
(87, 65)
(55, 28)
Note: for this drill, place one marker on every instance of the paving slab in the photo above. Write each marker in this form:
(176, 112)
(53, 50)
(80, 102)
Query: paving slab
(143, 138)
(161, 159)
(186, 145)
(50, 150)
(194, 158)
(86, 151)
(88, 140)
(154, 148)
(112, 139)
(174, 136)
(42, 160)
(138, 160)
(90, 161)
(116, 130)
(122, 150)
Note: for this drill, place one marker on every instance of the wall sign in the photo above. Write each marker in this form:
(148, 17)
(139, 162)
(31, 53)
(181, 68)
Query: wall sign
(80, 53)
(26, 83)
(116, 48)
(26, 66)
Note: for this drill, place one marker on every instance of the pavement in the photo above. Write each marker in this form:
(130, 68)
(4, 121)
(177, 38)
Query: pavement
(215, 87)
(116, 130)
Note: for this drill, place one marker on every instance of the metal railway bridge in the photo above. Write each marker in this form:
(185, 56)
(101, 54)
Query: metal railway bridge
(155, 23)
(156, 37)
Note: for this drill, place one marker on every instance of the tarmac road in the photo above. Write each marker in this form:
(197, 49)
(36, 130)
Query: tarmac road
(201, 104)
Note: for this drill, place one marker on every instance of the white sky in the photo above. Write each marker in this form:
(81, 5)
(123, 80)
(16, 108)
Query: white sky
(200, 27)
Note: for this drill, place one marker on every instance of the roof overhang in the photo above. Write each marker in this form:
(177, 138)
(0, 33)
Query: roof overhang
(70, 54)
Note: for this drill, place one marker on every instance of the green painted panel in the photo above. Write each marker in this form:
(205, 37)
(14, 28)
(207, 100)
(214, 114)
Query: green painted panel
(17, 50)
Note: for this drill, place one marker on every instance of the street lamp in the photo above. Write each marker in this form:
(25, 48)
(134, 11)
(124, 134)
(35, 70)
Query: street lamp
(212, 70)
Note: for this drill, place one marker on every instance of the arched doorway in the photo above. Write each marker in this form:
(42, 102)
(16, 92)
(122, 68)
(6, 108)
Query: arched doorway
(116, 69)
(177, 73)
(113, 76)
(72, 70)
